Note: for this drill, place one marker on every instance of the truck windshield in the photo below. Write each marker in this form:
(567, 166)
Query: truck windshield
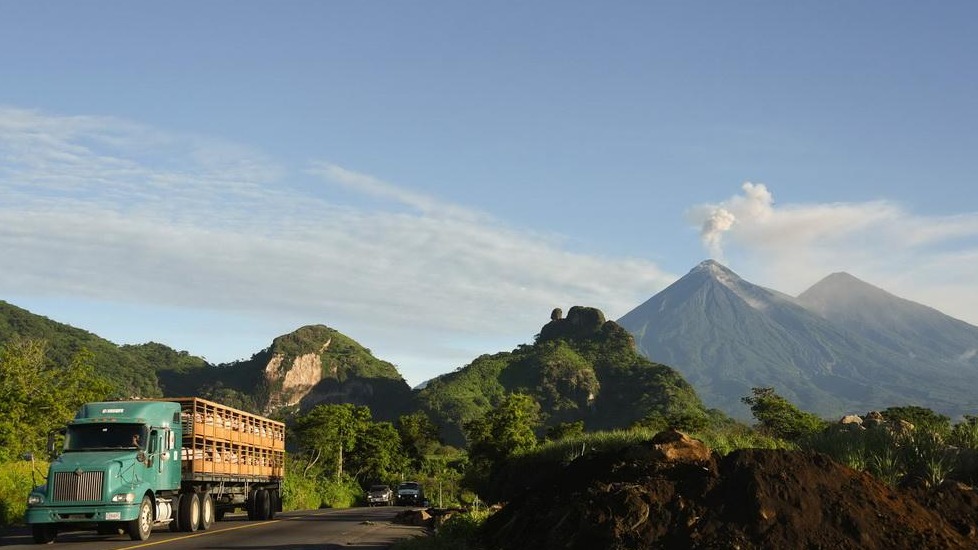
(93, 437)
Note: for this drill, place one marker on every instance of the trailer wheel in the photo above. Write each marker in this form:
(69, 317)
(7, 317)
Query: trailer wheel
(189, 512)
(273, 503)
(263, 505)
(251, 505)
(44, 534)
(142, 526)
(175, 525)
(206, 511)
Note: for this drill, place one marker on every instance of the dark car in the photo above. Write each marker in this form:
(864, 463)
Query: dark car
(410, 493)
(378, 495)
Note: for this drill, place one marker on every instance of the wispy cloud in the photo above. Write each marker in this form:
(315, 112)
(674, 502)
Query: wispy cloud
(930, 259)
(107, 210)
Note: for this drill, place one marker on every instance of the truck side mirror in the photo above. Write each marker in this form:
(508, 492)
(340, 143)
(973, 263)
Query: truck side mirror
(52, 445)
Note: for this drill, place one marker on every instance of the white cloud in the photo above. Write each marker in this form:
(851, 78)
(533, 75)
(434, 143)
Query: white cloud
(929, 259)
(108, 211)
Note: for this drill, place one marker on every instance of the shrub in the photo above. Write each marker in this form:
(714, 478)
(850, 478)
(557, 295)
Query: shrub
(15, 485)
(339, 494)
(460, 532)
(299, 492)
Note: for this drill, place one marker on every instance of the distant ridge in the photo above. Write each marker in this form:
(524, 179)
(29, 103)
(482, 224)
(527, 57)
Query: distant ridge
(841, 346)
(902, 326)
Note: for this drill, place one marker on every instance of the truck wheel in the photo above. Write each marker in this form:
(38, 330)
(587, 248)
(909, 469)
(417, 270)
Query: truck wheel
(206, 511)
(44, 534)
(252, 505)
(142, 526)
(263, 507)
(273, 503)
(175, 519)
(189, 512)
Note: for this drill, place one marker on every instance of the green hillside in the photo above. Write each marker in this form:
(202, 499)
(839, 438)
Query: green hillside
(349, 374)
(582, 368)
(132, 375)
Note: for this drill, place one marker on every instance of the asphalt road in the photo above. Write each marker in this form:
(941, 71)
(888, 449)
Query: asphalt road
(355, 528)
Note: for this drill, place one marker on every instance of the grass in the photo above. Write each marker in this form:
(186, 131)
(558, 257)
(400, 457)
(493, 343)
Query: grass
(460, 532)
(15, 485)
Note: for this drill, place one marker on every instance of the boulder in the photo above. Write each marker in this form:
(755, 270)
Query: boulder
(675, 446)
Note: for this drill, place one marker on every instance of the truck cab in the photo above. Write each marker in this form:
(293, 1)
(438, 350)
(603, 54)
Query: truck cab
(119, 469)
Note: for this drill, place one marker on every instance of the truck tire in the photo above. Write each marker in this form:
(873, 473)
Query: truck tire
(273, 503)
(175, 520)
(44, 533)
(189, 512)
(206, 511)
(251, 505)
(141, 527)
(263, 505)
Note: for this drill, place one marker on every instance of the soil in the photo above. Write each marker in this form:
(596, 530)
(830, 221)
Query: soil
(749, 499)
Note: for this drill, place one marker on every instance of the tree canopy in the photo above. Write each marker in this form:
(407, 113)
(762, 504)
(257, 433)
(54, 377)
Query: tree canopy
(38, 396)
(778, 417)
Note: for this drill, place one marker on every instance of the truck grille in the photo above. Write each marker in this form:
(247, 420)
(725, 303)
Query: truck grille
(72, 486)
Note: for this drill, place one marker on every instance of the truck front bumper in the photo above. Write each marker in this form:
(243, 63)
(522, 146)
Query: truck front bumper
(81, 514)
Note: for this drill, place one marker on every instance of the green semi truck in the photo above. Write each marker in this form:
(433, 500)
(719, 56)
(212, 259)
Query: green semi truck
(130, 466)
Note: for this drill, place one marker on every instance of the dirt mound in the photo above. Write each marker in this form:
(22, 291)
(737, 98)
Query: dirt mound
(748, 499)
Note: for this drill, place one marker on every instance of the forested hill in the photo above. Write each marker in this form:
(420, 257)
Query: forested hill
(130, 374)
(312, 365)
(580, 368)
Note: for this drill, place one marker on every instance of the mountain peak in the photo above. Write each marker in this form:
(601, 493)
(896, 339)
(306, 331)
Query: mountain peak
(842, 289)
(710, 266)
(842, 345)
(718, 272)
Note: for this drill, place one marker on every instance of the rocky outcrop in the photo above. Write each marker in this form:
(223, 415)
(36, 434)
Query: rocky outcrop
(874, 419)
(295, 378)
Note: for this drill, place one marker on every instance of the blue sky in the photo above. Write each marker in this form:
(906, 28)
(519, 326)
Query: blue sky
(432, 178)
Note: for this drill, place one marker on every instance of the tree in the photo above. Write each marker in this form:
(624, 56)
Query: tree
(506, 430)
(328, 431)
(38, 397)
(378, 454)
(418, 435)
(776, 416)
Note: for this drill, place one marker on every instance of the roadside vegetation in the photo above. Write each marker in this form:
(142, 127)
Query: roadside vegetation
(459, 532)
(336, 451)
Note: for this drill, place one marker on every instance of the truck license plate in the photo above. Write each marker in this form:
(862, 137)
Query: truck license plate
(113, 515)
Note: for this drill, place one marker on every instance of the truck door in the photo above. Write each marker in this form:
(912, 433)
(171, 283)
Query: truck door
(166, 459)
(151, 473)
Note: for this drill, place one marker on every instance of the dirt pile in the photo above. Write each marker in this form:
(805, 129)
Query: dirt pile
(748, 499)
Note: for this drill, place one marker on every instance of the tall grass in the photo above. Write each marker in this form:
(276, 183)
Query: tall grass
(459, 532)
(15, 485)
(894, 456)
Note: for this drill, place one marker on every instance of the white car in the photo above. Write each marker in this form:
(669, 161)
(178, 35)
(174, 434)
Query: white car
(379, 495)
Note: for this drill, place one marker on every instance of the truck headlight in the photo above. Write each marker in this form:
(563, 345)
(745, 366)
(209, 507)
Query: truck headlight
(124, 497)
(35, 499)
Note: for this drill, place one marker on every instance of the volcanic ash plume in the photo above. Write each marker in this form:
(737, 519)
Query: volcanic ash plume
(755, 205)
(719, 221)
